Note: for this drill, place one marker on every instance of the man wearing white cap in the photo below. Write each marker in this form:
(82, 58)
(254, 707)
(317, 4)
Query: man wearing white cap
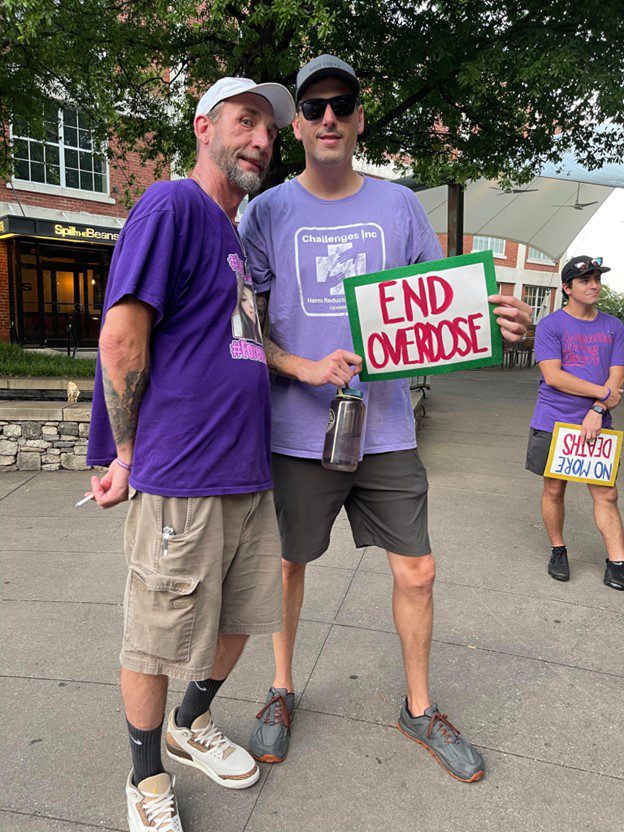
(181, 416)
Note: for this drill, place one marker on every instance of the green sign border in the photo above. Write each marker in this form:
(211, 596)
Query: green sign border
(351, 283)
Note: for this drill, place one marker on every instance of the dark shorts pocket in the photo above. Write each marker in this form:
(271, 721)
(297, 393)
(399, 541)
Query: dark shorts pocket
(161, 615)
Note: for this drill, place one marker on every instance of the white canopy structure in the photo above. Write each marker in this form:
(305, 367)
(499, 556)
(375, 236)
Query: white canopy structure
(547, 213)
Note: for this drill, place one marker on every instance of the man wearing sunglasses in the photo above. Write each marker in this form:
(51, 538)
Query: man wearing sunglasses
(302, 239)
(580, 352)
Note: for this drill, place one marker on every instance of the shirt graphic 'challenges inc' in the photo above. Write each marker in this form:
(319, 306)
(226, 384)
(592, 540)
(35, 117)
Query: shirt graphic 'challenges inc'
(325, 256)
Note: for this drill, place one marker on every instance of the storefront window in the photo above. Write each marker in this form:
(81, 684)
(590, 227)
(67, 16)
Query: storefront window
(63, 154)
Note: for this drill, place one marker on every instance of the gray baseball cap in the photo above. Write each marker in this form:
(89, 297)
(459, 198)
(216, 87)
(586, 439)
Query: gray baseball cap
(325, 66)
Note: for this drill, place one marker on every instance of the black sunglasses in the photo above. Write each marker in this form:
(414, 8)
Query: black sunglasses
(342, 106)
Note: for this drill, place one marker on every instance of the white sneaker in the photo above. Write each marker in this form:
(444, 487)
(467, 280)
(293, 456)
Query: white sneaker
(206, 748)
(152, 805)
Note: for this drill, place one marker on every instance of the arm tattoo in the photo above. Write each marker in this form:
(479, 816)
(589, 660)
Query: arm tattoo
(123, 409)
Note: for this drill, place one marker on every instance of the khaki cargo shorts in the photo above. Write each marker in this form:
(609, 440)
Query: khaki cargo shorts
(219, 571)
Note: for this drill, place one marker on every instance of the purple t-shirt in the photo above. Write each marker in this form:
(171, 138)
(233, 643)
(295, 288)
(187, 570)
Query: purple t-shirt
(204, 421)
(300, 248)
(587, 350)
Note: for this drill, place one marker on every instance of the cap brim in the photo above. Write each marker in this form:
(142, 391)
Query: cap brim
(329, 72)
(280, 100)
(600, 269)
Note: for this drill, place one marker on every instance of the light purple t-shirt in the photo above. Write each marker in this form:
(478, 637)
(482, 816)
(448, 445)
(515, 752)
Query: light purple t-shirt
(204, 421)
(300, 248)
(587, 350)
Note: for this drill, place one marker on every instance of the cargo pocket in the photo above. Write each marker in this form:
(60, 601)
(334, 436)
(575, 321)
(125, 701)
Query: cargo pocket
(161, 615)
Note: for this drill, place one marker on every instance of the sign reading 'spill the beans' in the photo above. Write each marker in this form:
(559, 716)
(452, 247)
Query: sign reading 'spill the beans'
(424, 319)
(573, 458)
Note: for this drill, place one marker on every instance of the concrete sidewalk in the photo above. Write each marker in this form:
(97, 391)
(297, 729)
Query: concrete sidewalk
(529, 669)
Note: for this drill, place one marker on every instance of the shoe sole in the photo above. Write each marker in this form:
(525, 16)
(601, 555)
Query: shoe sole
(612, 585)
(474, 777)
(268, 758)
(559, 577)
(227, 784)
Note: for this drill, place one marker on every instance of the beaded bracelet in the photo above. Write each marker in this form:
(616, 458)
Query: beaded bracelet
(123, 464)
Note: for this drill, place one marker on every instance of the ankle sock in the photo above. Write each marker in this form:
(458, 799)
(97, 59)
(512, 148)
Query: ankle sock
(146, 758)
(196, 701)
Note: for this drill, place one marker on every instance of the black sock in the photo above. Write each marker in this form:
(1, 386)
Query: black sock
(197, 700)
(559, 550)
(146, 759)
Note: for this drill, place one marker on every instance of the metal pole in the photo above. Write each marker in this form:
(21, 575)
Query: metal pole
(455, 220)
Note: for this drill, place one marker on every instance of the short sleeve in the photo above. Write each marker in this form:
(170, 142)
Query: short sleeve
(617, 353)
(423, 243)
(547, 342)
(256, 249)
(142, 263)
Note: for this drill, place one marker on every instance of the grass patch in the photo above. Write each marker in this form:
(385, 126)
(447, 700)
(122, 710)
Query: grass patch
(16, 361)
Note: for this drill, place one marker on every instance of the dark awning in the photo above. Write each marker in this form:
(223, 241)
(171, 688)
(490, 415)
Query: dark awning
(12, 226)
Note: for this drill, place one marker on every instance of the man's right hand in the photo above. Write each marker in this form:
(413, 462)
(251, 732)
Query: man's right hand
(337, 368)
(112, 489)
(614, 398)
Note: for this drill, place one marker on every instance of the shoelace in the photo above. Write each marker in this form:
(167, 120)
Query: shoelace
(444, 725)
(280, 712)
(163, 806)
(211, 738)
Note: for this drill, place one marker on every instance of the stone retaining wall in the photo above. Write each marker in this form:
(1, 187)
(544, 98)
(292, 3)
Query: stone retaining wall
(46, 436)
(43, 436)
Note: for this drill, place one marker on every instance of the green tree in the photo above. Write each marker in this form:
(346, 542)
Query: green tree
(463, 88)
(611, 302)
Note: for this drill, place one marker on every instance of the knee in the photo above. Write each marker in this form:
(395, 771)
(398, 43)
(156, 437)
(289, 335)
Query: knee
(554, 490)
(416, 575)
(605, 495)
(292, 571)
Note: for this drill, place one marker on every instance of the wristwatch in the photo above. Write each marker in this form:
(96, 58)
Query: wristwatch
(598, 409)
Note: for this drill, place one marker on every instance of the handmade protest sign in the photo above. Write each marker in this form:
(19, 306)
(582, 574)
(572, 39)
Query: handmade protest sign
(570, 458)
(426, 318)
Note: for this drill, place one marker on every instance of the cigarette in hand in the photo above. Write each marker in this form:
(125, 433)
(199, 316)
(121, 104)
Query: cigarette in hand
(85, 500)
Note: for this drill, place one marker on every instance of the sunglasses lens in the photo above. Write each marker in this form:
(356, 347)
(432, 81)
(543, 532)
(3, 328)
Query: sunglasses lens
(342, 105)
(313, 108)
(597, 261)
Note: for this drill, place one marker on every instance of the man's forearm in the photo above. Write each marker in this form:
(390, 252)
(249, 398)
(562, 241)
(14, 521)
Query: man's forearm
(124, 386)
(278, 360)
(567, 383)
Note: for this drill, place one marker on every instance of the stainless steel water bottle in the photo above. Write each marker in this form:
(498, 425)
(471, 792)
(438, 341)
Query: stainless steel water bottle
(344, 430)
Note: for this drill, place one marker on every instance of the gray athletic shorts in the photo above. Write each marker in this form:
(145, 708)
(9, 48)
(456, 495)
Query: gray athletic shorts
(537, 451)
(385, 499)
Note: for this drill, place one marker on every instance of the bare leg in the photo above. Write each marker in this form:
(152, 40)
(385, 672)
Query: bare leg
(608, 520)
(229, 649)
(293, 581)
(144, 697)
(412, 605)
(553, 509)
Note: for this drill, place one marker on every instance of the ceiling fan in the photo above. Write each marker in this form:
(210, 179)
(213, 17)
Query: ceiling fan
(507, 191)
(578, 206)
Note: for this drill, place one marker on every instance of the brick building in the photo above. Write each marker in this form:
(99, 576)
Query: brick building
(60, 217)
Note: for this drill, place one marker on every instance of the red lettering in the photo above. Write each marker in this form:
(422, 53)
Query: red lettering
(473, 329)
(370, 347)
(439, 305)
(384, 300)
(410, 297)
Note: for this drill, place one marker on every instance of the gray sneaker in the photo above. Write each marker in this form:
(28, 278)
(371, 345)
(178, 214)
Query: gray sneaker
(442, 739)
(270, 738)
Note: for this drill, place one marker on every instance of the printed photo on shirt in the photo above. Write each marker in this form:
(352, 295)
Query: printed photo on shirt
(245, 323)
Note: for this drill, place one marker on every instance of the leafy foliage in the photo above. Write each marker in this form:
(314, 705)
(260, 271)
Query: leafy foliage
(611, 302)
(463, 88)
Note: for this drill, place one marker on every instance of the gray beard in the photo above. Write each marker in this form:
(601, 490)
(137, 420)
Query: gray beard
(246, 180)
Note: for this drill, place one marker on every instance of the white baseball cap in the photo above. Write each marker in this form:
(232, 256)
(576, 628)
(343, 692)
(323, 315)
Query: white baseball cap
(278, 97)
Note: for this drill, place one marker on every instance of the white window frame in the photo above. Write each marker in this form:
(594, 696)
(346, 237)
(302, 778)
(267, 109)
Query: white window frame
(493, 244)
(63, 189)
(534, 255)
(531, 293)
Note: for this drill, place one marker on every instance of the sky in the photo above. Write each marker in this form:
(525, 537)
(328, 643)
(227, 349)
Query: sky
(603, 236)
